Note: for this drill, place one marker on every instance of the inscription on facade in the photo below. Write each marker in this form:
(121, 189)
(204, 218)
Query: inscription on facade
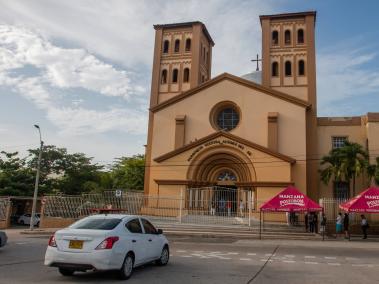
(218, 142)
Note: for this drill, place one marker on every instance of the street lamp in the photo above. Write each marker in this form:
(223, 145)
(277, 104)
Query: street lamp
(37, 180)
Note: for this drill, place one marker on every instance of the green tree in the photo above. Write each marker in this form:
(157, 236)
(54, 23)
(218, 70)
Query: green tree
(15, 177)
(354, 161)
(332, 167)
(64, 172)
(373, 172)
(129, 172)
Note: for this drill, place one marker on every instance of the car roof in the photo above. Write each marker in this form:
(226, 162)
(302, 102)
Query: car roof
(111, 216)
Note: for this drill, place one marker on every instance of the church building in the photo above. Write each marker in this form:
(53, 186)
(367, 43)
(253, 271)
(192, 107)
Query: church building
(252, 134)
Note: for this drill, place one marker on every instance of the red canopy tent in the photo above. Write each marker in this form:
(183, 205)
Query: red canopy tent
(289, 200)
(365, 202)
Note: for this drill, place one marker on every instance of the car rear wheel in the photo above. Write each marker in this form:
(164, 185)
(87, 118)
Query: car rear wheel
(165, 256)
(66, 272)
(127, 267)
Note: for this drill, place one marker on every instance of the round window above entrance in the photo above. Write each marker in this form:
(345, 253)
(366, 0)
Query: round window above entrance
(225, 116)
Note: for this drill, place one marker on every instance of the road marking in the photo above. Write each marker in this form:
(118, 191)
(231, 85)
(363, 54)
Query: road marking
(268, 254)
(233, 253)
(247, 259)
(310, 262)
(21, 243)
(363, 265)
(215, 252)
(251, 253)
(171, 255)
(309, 256)
(181, 251)
(334, 263)
(351, 258)
(186, 256)
(264, 259)
(289, 255)
(289, 261)
(330, 257)
(197, 251)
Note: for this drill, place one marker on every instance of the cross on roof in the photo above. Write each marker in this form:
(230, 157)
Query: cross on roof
(257, 60)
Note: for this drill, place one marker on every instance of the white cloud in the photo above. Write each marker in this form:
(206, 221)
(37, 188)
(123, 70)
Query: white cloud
(123, 31)
(342, 74)
(61, 68)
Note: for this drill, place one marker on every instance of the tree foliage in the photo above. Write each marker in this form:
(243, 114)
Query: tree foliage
(345, 164)
(63, 172)
(129, 172)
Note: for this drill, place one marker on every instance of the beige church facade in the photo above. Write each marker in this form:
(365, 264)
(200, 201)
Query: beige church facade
(257, 133)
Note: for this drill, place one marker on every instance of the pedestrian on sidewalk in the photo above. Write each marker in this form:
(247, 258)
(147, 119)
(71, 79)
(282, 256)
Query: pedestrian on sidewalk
(339, 225)
(242, 207)
(311, 223)
(364, 226)
(346, 225)
(229, 207)
(315, 221)
(306, 221)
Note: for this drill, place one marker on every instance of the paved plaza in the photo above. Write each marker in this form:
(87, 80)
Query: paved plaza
(213, 260)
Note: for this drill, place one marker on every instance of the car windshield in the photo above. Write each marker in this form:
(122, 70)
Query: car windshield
(97, 224)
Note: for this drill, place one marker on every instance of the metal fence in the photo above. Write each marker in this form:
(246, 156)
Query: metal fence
(4, 205)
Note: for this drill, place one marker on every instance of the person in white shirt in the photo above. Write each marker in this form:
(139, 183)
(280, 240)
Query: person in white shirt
(242, 207)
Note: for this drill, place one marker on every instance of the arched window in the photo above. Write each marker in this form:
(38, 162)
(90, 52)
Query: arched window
(166, 46)
(275, 69)
(186, 75)
(164, 77)
(287, 37)
(300, 36)
(301, 68)
(188, 44)
(288, 69)
(177, 45)
(175, 76)
(275, 38)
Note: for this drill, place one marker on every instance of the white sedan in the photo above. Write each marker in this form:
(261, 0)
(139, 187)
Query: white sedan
(107, 242)
(26, 218)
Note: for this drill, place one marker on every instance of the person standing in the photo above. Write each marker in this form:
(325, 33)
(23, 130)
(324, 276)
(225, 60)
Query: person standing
(311, 223)
(364, 226)
(229, 207)
(339, 225)
(346, 225)
(306, 221)
(222, 206)
(213, 208)
(242, 207)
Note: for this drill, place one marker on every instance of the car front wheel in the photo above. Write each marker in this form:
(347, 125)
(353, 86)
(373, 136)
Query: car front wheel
(66, 272)
(127, 267)
(165, 256)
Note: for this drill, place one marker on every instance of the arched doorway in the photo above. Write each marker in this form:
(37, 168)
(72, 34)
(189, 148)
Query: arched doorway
(217, 178)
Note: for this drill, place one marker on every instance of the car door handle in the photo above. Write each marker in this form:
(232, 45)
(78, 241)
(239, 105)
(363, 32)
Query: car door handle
(134, 241)
(150, 240)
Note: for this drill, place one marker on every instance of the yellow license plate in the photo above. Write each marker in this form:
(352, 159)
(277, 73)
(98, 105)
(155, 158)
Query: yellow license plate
(75, 244)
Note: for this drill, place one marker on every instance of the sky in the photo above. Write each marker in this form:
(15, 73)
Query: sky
(81, 69)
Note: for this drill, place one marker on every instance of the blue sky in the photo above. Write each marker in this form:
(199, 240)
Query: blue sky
(82, 69)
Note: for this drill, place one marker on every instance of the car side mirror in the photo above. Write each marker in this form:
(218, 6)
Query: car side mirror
(159, 232)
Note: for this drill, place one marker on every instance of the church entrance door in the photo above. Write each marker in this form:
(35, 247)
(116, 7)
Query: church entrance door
(225, 200)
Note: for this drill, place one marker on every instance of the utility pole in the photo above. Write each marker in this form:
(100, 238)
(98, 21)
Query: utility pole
(32, 217)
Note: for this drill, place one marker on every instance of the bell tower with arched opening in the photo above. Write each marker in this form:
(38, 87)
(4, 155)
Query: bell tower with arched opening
(182, 59)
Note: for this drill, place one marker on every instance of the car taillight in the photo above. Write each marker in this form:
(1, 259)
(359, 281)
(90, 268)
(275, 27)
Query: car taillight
(107, 243)
(52, 242)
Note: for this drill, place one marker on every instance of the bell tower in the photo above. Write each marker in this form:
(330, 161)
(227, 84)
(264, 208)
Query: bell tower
(289, 66)
(288, 54)
(182, 59)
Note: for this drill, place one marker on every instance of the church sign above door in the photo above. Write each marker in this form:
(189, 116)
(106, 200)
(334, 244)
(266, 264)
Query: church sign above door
(218, 142)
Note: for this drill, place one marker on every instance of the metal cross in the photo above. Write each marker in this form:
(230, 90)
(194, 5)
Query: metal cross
(257, 60)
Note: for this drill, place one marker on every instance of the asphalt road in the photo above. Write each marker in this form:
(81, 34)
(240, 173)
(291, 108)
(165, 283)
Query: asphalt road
(196, 260)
